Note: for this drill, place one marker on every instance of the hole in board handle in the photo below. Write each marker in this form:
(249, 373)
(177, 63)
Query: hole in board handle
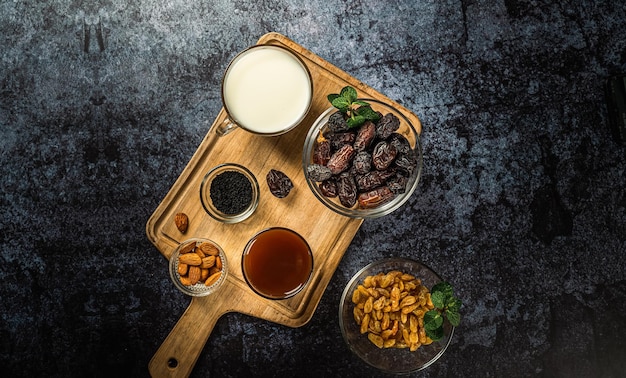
(172, 363)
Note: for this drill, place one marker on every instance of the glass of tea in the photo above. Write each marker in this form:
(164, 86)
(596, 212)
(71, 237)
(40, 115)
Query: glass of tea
(277, 263)
(266, 90)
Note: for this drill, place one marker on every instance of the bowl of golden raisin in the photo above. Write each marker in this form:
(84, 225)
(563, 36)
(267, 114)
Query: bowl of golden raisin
(381, 316)
(198, 267)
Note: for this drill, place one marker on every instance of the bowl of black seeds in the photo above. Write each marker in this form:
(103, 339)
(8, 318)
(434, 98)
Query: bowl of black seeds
(229, 193)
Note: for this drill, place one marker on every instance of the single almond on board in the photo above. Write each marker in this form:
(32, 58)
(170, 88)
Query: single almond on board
(182, 222)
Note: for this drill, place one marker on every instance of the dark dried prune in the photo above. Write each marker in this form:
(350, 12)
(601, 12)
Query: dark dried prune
(406, 163)
(337, 140)
(373, 179)
(337, 122)
(340, 160)
(383, 155)
(328, 188)
(397, 184)
(318, 172)
(387, 125)
(362, 163)
(400, 143)
(365, 136)
(346, 189)
(321, 152)
(375, 197)
(279, 183)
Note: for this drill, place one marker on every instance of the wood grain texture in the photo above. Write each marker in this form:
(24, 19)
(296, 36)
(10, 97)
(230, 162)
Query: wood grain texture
(328, 233)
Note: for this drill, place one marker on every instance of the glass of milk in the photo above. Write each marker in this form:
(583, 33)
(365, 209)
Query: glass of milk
(266, 90)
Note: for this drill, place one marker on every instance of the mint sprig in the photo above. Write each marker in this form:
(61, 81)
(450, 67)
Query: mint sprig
(446, 306)
(357, 111)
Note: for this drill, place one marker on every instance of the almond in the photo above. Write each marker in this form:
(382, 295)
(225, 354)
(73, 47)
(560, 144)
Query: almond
(190, 259)
(194, 274)
(218, 263)
(188, 248)
(212, 278)
(182, 222)
(185, 280)
(208, 262)
(182, 268)
(204, 274)
(209, 249)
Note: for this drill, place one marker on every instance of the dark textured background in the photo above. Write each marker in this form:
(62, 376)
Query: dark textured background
(522, 203)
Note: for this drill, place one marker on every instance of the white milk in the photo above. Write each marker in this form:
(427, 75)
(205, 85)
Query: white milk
(266, 90)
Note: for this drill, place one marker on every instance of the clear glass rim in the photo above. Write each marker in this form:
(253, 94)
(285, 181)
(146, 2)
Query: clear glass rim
(199, 289)
(291, 293)
(277, 47)
(207, 203)
(379, 211)
(347, 295)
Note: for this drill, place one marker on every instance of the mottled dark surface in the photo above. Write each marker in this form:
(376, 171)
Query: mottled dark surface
(522, 204)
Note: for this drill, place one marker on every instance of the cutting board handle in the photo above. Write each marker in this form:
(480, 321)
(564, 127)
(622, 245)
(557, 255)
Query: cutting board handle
(179, 352)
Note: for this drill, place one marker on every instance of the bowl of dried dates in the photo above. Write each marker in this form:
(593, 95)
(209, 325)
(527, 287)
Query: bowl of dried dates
(362, 158)
(198, 267)
(398, 315)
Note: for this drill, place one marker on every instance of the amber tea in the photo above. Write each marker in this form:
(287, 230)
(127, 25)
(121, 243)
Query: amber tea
(277, 263)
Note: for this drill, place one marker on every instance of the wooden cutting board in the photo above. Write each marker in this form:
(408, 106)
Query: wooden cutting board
(328, 234)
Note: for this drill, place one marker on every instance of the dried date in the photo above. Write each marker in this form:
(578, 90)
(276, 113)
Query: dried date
(375, 197)
(337, 122)
(328, 188)
(400, 143)
(338, 140)
(387, 125)
(340, 160)
(362, 163)
(406, 163)
(346, 190)
(383, 155)
(279, 183)
(373, 179)
(397, 184)
(365, 136)
(321, 152)
(318, 172)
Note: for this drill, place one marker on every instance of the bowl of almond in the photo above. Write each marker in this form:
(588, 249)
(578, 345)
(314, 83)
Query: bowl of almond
(389, 319)
(198, 267)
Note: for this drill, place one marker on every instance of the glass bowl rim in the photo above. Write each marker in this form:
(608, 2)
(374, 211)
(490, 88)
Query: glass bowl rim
(346, 296)
(356, 213)
(293, 292)
(205, 187)
(203, 291)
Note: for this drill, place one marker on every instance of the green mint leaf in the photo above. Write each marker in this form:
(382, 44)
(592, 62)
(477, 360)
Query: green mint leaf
(438, 298)
(331, 97)
(435, 334)
(454, 304)
(341, 104)
(432, 319)
(367, 112)
(453, 317)
(348, 93)
(445, 288)
(355, 121)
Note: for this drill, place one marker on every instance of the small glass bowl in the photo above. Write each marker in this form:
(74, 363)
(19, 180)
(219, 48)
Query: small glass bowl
(277, 263)
(406, 129)
(209, 205)
(390, 360)
(199, 289)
